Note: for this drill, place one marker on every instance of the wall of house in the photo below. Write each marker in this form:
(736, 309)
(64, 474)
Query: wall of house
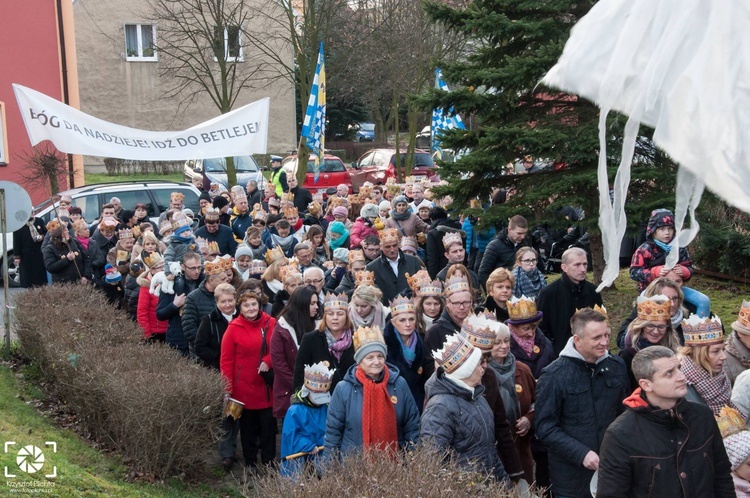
(133, 93)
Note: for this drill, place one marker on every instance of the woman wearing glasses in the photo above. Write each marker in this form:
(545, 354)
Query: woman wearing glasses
(528, 280)
(651, 327)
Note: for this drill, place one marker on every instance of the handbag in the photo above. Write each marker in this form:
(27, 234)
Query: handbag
(268, 375)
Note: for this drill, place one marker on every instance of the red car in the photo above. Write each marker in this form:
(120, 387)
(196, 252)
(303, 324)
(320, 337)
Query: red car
(333, 172)
(378, 165)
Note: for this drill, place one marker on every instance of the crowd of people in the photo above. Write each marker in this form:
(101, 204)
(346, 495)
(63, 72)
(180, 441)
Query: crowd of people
(383, 319)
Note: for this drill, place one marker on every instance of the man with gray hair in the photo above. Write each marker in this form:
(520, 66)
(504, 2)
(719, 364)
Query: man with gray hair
(115, 201)
(577, 397)
(254, 196)
(663, 445)
(560, 299)
(315, 278)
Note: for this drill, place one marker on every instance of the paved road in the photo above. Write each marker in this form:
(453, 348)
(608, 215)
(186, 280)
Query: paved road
(11, 292)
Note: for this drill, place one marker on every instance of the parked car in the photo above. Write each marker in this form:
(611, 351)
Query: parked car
(365, 132)
(215, 171)
(424, 138)
(378, 165)
(333, 172)
(90, 198)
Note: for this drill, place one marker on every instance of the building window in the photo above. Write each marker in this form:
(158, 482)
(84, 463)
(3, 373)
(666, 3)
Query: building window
(230, 42)
(140, 42)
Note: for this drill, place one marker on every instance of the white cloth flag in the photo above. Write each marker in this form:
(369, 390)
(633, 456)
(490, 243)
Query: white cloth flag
(240, 132)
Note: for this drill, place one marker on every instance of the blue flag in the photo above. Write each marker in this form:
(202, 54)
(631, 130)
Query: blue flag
(443, 120)
(314, 126)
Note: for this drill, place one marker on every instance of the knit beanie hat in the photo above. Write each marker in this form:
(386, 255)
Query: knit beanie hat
(342, 254)
(182, 230)
(243, 250)
(738, 448)
(204, 196)
(368, 340)
(220, 202)
(384, 206)
(337, 227)
(400, 198)
(369, 211)
(111, 275)
(340, 211)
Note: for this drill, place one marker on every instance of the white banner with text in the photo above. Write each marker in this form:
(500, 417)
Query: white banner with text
(239, 132)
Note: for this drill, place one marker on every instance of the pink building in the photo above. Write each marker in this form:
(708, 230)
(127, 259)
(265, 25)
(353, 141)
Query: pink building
(37, 50)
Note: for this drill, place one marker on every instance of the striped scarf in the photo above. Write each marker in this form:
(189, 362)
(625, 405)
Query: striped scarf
(716, 391)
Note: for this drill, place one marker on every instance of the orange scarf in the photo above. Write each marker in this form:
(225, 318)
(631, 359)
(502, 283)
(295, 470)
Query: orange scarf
(378, 413)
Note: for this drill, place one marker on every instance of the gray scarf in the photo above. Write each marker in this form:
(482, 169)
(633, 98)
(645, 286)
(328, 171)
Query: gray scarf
(506, 378)
(677, 319)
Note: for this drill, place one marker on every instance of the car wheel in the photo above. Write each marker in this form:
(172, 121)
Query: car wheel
(14, 273)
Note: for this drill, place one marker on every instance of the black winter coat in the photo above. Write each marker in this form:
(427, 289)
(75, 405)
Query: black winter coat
(559, 301)
(420, 369)
(104, 246)
(97, 260)
(314, 348)
(166, 310)
(60, 267)
(208, 338)
(461, 421)
(434, 250)
(132, 292)
(302, 197)
(666, 453)
(575, 403)
(30, 252)
(441, 328)
(198, 305)
(490, 305)
(501, 252)
(388, 283)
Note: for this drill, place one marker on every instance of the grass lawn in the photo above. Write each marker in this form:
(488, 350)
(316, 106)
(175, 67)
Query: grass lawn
(82, 471)
(105, 178)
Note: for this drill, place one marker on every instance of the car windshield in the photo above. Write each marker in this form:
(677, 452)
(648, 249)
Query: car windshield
(421, 160)
(243, 164)
(367, 126)
(331, 166)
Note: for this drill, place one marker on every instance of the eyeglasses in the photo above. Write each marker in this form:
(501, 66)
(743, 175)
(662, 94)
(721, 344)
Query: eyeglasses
(462, 304)
(313, 282)
(529, 261)
(194, 268)
(653, 326)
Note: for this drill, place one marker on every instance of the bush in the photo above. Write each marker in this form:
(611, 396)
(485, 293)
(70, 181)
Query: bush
(116, 167)
(151, 405)
(723, 243)
(422, 472)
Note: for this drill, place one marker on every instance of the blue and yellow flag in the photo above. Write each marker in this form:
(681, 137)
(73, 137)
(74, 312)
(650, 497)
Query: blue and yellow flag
(314, 126)
(443, 120)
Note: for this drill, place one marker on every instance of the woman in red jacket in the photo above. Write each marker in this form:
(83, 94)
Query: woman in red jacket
(153, 330)
(245, 354)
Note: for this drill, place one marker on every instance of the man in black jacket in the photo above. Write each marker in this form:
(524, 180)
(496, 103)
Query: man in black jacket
(501, 252)
(458, 305)
(560, 299)
(302, 196)
(577, 397)
(170, 306)
(441, 224)
(392, 266)
(214, 231)
(663, 445)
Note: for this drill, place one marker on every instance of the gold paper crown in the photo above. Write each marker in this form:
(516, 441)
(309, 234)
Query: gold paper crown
(257, 267)
(356, 255)
(480, 331)
(212, 247)
(390, 181)
(656, 308)
(521, 308)
(177, 196)
(314, 208)
(417, 280)
(456, 284)
(730, 422)
(454, 353)
(431, 289)
(336, 201)
(259, 214)
(80, 224)
(394, 190)
(287, 197)
(702, 331)
(226, 262)
(212, 213)
(364, 277)
(274, 254)
(318, 377)
(401, 305)
(213, 267)
(364, 191)
(291, 212)
(125, 233)
(451, 238)
(202, 243)
(180, 222)
(367, 335)
(388, 236)
(409, 242)
(165, 226)
(352, 199)
(285, 270)
(153, 259)
(333, 301)
(743, 318)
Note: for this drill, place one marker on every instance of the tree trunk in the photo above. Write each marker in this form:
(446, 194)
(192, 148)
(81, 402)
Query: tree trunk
(597, 254)
(397, 158)
(303, 156)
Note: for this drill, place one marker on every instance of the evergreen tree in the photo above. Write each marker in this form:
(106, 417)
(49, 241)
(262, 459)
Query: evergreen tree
(513, 43)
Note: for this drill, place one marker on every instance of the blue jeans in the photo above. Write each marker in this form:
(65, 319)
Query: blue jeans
(701, 301)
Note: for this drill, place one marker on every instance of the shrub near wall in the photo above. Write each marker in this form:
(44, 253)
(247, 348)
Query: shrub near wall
(157, 409)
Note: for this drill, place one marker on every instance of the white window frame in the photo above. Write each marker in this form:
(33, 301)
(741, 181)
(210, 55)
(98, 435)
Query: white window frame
(241, 56)
(139, 34)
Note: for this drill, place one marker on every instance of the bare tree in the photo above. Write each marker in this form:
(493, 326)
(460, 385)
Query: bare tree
(205, 47)
(44, 166)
